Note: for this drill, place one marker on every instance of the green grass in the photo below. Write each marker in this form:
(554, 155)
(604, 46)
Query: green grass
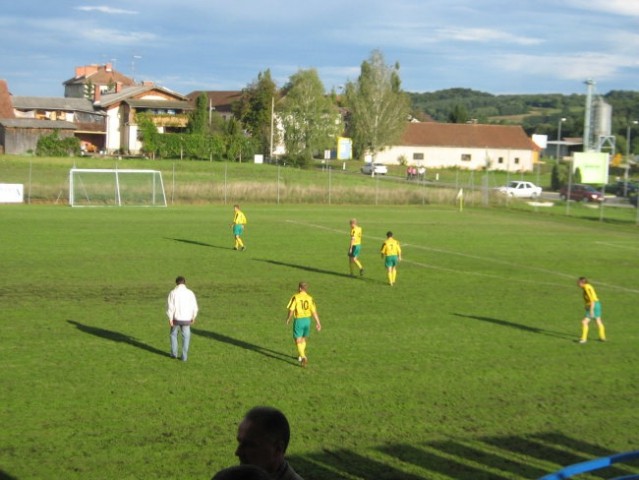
(467, 368)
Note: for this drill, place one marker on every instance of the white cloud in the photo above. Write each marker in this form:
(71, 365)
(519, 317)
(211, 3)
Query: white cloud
(484, 35)
(615, 7)
(567, 67)
(107, 10)
(117, 37)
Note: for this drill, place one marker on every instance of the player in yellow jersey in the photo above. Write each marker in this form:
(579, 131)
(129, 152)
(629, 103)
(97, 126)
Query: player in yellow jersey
(301, 307)
(239, 221)
(593, 310)
(392, 254)
(355, 247)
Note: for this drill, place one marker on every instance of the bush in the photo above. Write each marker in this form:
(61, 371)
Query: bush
(54, 146)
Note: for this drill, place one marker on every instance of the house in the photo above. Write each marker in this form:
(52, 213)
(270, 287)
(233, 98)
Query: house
(93, 81)
(219, 101)
(90, 124)
(466, 146)
(167, 109)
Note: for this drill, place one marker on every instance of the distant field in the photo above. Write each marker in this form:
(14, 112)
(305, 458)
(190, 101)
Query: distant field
(466, 369)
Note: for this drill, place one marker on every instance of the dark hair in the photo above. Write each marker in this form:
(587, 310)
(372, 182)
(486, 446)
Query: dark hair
(583, 280)
(180, 280)
(272, 422)
(242, 472)
(389, 234)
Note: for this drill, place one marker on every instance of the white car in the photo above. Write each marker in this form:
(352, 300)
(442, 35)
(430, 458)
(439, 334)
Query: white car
(376, 168)
(519, 189)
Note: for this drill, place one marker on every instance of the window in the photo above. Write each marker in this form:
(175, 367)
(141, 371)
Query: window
(465, 157)
(516, 160)
(500, 160)
(418, 156)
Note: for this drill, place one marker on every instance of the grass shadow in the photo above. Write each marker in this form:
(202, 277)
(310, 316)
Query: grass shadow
(305, 268)
(518, 326)
(283, 357)
(196, 242)
(117, 337)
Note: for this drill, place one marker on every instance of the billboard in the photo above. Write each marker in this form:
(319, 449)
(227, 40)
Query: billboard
(11, 193)
(592, 165)
(344, 148)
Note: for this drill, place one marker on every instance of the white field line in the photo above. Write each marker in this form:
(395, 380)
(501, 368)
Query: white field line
(616, 245)
(475, 257)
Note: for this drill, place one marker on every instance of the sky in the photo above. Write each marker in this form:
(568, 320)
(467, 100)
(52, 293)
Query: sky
(494, 46)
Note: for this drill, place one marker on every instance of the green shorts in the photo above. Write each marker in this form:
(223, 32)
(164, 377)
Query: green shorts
(354, 252)
(301, 327)
(238, 229)
(391, 261)
(596, 311)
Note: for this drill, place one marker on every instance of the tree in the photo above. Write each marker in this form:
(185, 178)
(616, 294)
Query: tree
(378, 107)
(459, 114)
(199, 118)
(309, 117)
(254, 108)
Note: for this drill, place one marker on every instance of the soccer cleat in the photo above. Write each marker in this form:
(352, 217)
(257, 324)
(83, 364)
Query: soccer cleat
(299, 359)
(583, 341)
(304, 361)
(602, 339)
(243, 248)
(361, 272)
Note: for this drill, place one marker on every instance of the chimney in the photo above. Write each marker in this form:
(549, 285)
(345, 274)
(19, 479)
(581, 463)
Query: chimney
(118, 87)
(97, 94)
(109, 67)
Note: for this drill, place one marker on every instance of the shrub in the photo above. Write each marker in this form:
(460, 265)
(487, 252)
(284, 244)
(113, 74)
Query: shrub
(53, 146)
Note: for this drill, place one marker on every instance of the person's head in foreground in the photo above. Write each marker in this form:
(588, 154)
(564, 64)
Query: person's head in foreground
(262, 438)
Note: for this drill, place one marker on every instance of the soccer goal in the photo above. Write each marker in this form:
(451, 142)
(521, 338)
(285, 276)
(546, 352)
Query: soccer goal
(94, 187)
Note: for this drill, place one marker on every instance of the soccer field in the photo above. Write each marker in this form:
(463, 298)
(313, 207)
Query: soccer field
(468, 368)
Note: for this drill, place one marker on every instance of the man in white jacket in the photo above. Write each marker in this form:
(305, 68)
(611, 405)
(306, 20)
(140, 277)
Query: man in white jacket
(181, 310)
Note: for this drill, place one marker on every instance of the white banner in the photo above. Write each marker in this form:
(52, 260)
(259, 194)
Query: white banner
(11, 193)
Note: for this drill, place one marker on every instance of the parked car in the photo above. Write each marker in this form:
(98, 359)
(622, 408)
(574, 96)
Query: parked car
(376, 168)
(521, 189)
(622, 187)
(581, 193)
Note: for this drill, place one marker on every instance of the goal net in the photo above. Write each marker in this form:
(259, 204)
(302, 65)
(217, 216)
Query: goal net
(93, 187)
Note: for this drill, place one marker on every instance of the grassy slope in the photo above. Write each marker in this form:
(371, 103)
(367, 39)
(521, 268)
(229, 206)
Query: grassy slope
(466, 369)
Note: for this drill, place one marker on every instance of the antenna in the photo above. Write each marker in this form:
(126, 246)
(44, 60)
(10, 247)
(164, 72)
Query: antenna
(133, 59)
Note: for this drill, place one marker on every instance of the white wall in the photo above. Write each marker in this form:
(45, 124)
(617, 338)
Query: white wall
(446, 157)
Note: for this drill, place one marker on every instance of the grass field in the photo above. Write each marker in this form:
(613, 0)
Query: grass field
(466, 369)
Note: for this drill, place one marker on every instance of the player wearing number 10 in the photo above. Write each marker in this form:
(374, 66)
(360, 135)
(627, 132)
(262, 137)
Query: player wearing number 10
(301, 307)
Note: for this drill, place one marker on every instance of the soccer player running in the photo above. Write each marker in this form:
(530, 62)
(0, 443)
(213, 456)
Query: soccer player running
(593, 310)
(239, 220)
(355, 247)
(301, 307)
(392, 255)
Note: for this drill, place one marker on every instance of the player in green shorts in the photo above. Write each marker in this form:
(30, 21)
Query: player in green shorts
(593, 311)
(392, 255)
(355, 247)
(301, 307)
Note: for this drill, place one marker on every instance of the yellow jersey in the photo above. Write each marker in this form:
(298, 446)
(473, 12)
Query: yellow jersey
(302, 305)
(356, 235)
(590, 296)
(239, 218)
(391, 247)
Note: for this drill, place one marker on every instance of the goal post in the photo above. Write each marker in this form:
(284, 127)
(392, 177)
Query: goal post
(96, 187)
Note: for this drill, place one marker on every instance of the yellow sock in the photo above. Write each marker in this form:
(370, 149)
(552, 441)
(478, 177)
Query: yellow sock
(584, 332)
(602, 332)
(390, 278)
(301, 349)
(358, 263)
(394, 273)
(240, 243)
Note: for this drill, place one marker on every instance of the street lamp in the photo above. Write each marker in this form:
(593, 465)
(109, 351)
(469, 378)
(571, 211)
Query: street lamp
(561, 120)
(625, 183)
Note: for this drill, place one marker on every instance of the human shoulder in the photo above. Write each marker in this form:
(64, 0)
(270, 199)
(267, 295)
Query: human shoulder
(287, 473)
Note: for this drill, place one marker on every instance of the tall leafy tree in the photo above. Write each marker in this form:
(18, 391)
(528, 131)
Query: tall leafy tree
(378, 107)
(199, 118)
(309, 117)
(254, 108)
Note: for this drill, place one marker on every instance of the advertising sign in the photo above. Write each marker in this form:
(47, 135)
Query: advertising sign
(593, 166)
(11, 193)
